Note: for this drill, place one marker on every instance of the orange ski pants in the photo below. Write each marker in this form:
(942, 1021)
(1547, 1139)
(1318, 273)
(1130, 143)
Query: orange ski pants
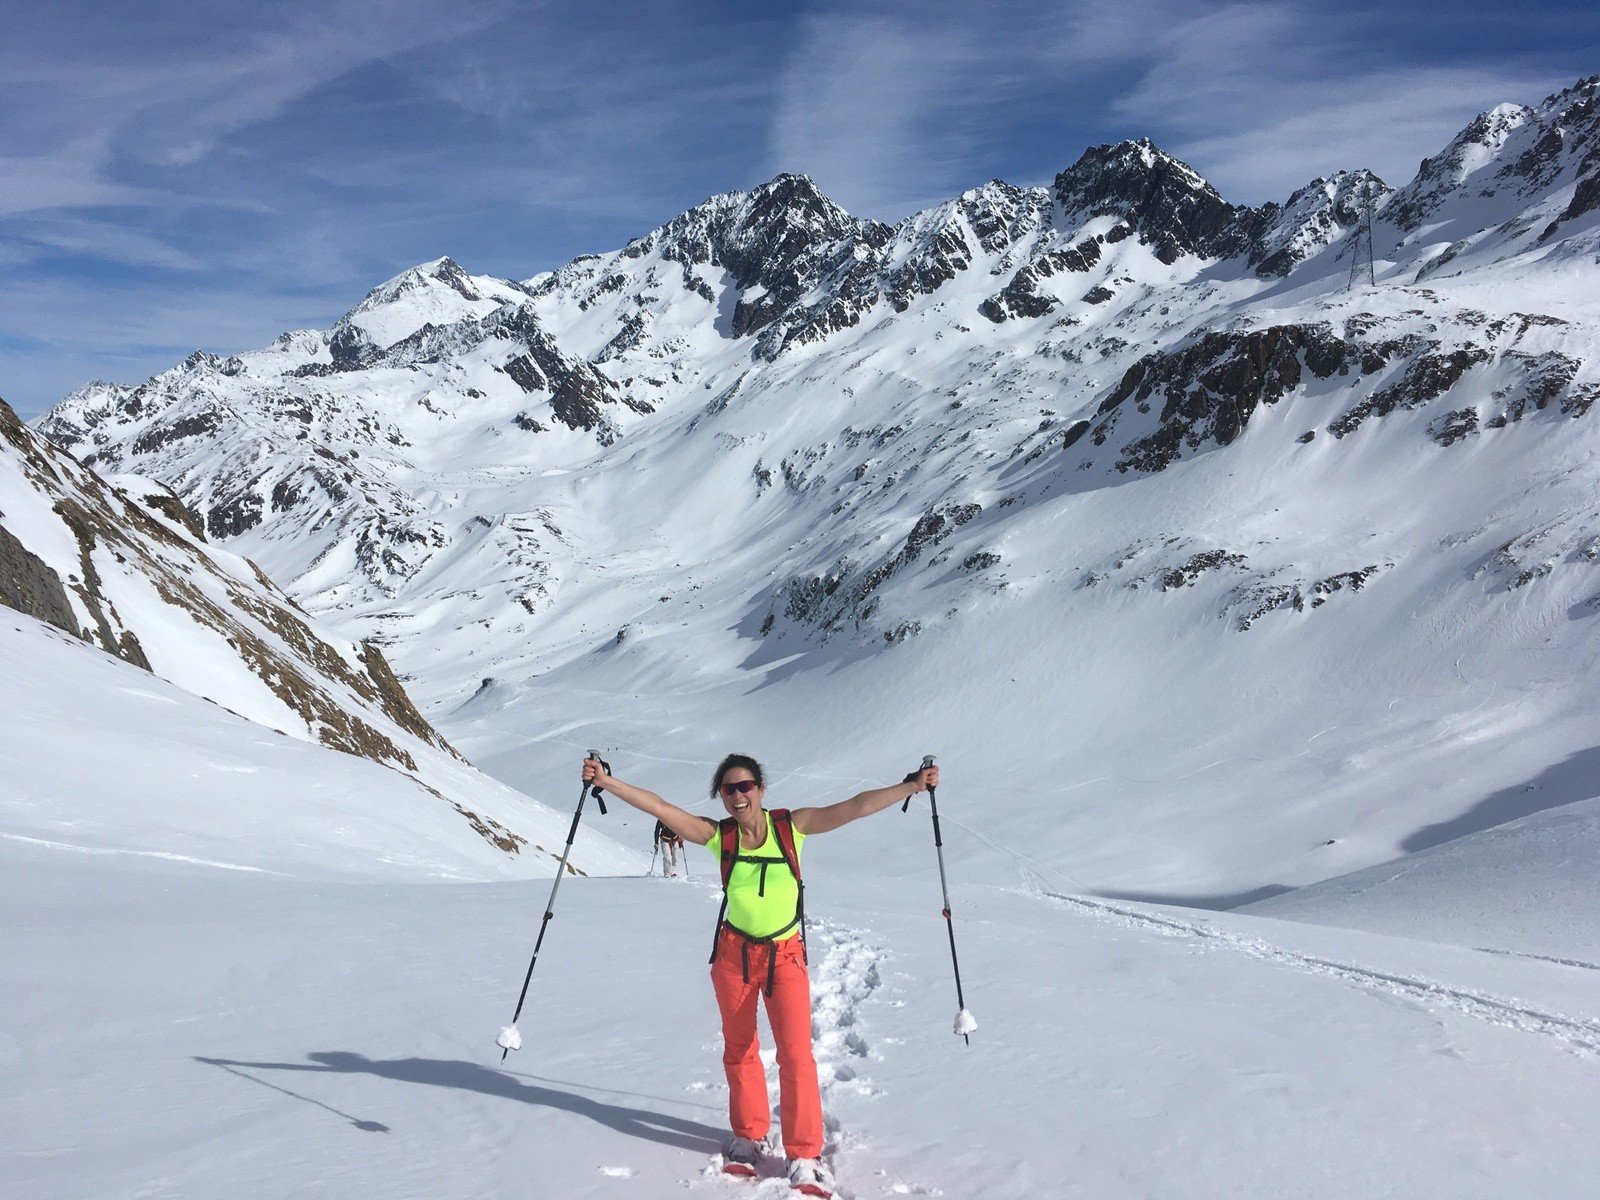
(789, 1013)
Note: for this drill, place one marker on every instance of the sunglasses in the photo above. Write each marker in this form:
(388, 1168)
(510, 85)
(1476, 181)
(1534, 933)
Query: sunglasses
(740, 788)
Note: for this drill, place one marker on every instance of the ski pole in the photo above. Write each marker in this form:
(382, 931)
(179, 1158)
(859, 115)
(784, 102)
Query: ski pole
(965, 1024)
(653, 852)
(510, 1039)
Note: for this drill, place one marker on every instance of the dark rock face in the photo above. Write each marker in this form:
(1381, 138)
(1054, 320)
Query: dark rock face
(1427, 377)
(525, 375)
(577, 401)
(1164, 200)
(764, 240)
(1300, 595)
(1022, 298)
(31, 587)
(200, 424)
(1210, 388)
(827, 601)
(239, 513)
(167, 504)
(1454, 426)
(350, 349)
(1186, 574)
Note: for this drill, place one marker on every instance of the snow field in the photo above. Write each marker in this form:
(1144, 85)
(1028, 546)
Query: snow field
(184, 1031)
(101, 757)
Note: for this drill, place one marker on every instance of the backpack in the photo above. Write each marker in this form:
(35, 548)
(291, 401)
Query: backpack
(731, 854)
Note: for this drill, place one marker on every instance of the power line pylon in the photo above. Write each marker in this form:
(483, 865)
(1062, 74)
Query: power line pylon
(1361, 238)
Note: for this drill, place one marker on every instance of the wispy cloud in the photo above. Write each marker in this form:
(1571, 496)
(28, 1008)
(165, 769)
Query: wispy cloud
(197, 174)
(1263, 97)
(891, 107)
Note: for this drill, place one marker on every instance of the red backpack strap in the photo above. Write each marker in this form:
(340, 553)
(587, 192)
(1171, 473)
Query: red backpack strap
(783, 830)
(728, 831)
(728, 844)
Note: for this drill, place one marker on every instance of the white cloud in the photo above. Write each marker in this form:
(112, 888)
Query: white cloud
(893, 108)
(75, 123)
(1261, 98)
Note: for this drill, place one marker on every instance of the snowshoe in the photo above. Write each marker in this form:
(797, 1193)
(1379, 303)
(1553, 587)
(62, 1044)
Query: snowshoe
(739, 1157)
(810, 1177)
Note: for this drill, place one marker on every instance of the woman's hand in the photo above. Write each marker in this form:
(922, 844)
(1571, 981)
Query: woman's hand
(924, 778)
(594, 773)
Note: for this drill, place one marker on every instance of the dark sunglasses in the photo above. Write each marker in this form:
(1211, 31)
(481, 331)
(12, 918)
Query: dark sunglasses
(742, 787)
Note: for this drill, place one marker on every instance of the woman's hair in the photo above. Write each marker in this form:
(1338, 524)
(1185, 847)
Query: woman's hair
(737, 760)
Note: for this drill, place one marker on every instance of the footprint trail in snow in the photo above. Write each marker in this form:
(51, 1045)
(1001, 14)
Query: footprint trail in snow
(845, 972)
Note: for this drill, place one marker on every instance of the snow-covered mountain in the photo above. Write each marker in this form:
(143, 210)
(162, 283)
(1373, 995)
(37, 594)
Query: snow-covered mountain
(121, 565)
(1128, 468)
(1213, 581)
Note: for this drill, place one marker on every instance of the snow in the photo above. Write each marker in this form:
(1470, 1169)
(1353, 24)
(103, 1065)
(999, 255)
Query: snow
(252, 1035)
(1255, 899)
(101, 758)
(1518, 887)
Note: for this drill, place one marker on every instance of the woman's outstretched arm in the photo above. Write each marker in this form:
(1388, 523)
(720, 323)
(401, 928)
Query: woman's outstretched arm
(682, 822)
(863, 804)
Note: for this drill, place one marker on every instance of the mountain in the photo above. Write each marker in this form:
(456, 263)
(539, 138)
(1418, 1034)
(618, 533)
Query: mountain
(1127, 468)
(122, 568)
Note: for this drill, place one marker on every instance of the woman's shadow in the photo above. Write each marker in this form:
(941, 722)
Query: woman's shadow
(677, 1132)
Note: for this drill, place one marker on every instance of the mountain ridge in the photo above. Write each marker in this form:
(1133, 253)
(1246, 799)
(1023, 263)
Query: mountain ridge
(1146, 432)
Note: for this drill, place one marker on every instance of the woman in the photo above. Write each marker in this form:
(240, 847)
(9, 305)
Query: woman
(760, 949)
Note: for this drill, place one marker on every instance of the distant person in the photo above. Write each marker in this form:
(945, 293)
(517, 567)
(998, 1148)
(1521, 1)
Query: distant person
(668, 843)
(759, 949)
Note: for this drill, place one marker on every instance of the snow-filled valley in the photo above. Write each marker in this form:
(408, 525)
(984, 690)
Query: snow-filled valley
(1251, 616)
(179, 1030)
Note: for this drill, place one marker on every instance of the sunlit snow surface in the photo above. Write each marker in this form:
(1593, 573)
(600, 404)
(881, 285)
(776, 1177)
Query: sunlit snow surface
(216, 985)
(175, 1030)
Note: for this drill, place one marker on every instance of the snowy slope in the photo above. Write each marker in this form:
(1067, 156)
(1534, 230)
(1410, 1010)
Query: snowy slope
(116, 569)
(1521, 886)
(101, 759)
(1109, 491)
(180, 1031)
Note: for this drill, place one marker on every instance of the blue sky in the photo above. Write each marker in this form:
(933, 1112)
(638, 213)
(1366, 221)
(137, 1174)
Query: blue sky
(208, 174)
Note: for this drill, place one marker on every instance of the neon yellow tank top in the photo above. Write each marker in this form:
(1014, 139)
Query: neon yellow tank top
(755, 907)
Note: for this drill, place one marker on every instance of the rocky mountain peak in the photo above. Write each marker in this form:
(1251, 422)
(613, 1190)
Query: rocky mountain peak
(1165, 200)
(1316, 215)
(1479, 146)
(796, 199)
(444, 271)
(755, 235)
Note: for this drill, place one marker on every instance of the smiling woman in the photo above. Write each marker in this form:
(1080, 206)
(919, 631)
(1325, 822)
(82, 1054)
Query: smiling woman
(759, 949)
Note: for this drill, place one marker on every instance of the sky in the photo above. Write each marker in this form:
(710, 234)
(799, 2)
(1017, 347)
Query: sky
(183, 175)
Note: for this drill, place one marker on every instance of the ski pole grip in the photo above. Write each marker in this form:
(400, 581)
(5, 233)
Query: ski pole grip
(927, 761)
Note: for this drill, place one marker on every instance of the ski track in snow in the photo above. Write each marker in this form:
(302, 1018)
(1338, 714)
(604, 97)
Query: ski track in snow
(845, 972)
(164, 854)
(1576, 963)
(1580, 1036)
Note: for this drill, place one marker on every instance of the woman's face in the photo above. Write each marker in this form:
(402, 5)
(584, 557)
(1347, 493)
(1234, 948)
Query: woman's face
(740, 803)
